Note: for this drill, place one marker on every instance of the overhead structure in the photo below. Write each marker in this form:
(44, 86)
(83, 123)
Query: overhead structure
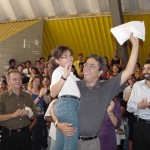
(11, 10)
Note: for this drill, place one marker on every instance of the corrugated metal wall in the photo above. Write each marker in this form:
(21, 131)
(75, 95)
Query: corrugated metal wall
(144, 46)
(89, 35)
(86, 35)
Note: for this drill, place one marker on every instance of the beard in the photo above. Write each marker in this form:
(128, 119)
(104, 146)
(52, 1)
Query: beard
(147, 76)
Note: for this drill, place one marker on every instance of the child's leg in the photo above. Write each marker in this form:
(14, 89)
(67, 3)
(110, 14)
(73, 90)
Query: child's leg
(71, 142)
(59, 142)
(66, 111)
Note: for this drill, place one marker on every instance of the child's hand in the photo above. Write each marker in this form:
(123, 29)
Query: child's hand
(68, 67)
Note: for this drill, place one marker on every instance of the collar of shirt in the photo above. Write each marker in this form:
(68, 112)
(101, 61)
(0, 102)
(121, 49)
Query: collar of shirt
(143, 83)
(10, 92)
(97, 85)
(61, 68)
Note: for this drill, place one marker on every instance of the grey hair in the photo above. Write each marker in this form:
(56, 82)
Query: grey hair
(100, 61)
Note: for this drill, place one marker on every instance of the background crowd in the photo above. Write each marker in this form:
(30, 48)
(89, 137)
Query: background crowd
(36, 80)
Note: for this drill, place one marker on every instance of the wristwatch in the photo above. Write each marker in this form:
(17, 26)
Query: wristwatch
(63, 78)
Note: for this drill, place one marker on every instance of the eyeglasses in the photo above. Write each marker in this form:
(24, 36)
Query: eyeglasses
(90, 66)
(66, 57)
(16, 79)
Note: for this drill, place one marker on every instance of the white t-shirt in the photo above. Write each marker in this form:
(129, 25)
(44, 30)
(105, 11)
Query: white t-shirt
(139, 92)
(70, 86)
(52, 131)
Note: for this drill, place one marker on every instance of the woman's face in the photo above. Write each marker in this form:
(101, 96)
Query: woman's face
(131, 80)
(65, 58)
(36, 82)
(115, 69)
(2, 85)
(33, 71)
(45, 70)
(46, 82)
(137, 67)
(20, 69)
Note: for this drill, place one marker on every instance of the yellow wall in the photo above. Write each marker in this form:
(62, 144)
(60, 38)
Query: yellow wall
(8, 29)
(144, 46)
(88, 35)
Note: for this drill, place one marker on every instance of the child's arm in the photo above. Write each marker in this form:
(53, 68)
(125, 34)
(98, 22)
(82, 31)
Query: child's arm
(56, 88)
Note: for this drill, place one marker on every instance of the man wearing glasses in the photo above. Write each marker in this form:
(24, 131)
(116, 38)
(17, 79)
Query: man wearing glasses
(96, 97)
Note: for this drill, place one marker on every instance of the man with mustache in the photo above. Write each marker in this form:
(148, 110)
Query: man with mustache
(139, 104)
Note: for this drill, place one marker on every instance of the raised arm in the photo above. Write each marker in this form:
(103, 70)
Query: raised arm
(129, 70)
(56, 88)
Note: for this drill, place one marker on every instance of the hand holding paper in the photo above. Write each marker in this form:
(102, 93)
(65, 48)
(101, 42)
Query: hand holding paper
(122, 32)
(30, 112)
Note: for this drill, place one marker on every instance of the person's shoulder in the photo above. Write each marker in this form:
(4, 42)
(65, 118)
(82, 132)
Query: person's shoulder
(139, 83)
(80, 82)
(7, 92)
(127, 88)
(26, 93)
(103, 83)
(76, 61)
(57, 70)
(4, 95)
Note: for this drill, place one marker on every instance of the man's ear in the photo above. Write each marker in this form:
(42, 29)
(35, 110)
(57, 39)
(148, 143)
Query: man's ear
(100, 73)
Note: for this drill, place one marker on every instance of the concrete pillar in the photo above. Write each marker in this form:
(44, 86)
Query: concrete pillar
(117, 19)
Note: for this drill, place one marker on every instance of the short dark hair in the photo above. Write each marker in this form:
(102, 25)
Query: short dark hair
(58, 51)
(81, 63)
(80, 54)
(147, 62)
(25, 80)
(28, 61)
(99, 59)
(41, 58)
(4, 81)
(11, 61)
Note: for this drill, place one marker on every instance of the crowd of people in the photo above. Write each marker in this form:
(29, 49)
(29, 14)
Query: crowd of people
(61, 104)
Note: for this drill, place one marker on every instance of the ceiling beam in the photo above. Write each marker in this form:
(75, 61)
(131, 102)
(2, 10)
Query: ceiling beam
(7, 8)
(93, 6)
(26, 8)
(70, 7)
(47, 7)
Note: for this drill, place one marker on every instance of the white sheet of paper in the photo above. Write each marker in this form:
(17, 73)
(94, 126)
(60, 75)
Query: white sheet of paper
(30, 111)
(122, 32)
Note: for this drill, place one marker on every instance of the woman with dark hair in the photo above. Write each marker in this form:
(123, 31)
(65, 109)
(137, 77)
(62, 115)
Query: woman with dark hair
(34, 72)
(63, 85)
(111, 121)
(3, 86)
(115, 71)
(138, 72)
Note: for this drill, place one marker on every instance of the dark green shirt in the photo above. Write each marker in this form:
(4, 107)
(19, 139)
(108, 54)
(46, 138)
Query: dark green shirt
(9, 103)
